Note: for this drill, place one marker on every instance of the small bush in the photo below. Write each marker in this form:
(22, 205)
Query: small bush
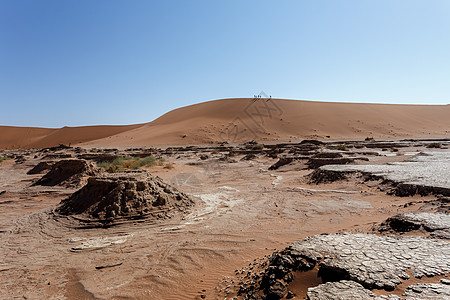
(434, 145)
(2, 158)
(123, 163)
(341, 147)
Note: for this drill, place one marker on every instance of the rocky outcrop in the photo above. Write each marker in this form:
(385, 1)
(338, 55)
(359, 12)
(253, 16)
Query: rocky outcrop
(374, 262)
(40, 167)
(98, 157)
(340, 290)
(128, 195)
(438, 224)
(326, 176)
(347, 289)
(429, 291)
(69, 173)
(424, 174)
(317, 162)
(281, 162)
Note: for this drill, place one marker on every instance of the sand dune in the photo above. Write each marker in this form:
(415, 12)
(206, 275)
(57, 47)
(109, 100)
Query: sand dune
(29, 137)
(239, 120)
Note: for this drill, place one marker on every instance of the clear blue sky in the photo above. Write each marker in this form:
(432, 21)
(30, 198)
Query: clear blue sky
(121, 62)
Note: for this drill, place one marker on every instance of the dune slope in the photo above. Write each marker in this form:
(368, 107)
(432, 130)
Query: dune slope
(29, 137)
(239, 120)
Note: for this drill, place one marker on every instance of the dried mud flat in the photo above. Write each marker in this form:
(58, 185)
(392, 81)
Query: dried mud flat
(285, 221)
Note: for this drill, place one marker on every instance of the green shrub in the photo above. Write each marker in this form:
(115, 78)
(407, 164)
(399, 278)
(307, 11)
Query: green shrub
(124, 163)
(2, 158)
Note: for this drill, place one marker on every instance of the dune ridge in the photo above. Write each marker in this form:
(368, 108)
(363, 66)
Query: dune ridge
(12, 137)
(241, 119)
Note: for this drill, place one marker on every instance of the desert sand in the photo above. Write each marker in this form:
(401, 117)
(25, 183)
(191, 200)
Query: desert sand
(240, 120)
(30, 137)
(297, 202)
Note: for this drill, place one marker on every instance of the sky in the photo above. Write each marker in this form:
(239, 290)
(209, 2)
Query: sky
(84, 62)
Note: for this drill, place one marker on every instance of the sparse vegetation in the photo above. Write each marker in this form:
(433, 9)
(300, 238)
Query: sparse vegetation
(123, 163)
(434, 145)
(341, 147)
(2, 158)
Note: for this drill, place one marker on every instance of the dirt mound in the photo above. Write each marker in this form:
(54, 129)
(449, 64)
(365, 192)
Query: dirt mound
(70, 172)
(125, 196)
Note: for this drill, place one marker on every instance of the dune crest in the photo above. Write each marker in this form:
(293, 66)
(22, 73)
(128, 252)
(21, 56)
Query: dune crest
(239, 120)
(30, 137)
(278, 120)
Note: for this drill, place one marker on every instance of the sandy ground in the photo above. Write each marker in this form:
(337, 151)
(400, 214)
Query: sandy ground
(244, 211)
(240, 120)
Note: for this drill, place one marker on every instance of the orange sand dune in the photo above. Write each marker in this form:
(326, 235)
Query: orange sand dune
(239, 120)
(29, 137)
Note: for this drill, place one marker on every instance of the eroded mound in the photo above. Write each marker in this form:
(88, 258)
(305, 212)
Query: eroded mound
(123, 196)
(70, 172)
